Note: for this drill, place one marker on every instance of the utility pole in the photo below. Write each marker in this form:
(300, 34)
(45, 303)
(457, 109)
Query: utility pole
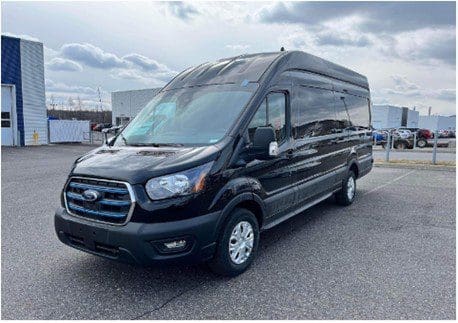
(100, 104)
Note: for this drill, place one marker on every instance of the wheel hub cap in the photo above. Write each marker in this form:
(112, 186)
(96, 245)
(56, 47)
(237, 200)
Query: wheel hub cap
(241, 242)
(351, 188)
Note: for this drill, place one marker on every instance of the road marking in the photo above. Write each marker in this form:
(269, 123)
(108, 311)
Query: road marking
(390, 182)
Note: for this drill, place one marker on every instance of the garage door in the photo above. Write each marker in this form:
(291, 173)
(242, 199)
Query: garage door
(7, 116)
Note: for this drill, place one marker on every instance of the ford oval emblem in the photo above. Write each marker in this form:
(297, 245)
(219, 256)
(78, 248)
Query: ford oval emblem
(91, 195)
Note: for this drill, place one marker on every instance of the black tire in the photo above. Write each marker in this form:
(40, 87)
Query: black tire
(400, 145)
(421, 143)
(342, 196)
(222, 263)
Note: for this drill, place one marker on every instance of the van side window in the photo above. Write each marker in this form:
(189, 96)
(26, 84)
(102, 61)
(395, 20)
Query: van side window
(342, 116)
(313, 112)
(271, 112)
(358, 110)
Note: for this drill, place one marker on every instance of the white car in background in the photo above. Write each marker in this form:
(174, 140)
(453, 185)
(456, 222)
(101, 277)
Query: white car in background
(404, 134)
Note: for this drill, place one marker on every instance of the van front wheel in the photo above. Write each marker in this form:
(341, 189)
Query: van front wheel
(237, 244)
(346, 195)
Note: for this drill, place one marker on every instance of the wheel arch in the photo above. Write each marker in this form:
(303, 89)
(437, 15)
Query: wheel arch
(247, 200)
(353, 165)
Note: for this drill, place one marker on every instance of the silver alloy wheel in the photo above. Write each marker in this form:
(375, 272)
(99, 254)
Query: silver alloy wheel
(351, 188)
(241, 242)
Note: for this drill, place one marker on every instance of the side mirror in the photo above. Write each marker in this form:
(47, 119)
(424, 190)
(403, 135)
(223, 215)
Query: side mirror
(106, 131)
(264, 143)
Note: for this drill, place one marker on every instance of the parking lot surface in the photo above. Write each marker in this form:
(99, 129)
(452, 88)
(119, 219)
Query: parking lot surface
(390, 255)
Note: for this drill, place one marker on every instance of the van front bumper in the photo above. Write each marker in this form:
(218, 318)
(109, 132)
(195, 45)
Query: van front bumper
(141, 243)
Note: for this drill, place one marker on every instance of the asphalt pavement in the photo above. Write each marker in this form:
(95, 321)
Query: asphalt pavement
(390, 255)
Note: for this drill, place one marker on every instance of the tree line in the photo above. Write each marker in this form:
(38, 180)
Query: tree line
(91, 115)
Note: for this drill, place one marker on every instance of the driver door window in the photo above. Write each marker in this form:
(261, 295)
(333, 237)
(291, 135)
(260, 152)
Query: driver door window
(272, 113)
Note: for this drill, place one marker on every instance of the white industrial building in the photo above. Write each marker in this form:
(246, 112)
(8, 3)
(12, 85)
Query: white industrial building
(389, 116)
(24, 118)
(126, 104)
(436, 122)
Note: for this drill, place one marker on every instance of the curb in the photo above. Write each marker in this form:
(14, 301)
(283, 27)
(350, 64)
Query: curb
(423, 150)
(417, 166)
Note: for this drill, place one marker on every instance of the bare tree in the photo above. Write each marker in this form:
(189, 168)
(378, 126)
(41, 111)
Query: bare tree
(70, 103)
(52, 103)
(79, 104)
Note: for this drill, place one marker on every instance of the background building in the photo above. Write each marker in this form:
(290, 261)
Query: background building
(24, 120)
(437, 122)
(126, 104)
(390, 116)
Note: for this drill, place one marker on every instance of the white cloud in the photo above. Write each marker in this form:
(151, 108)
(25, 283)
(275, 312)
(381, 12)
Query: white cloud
(238, 47)
(91, 55)
(132, 66)
(62, 64)
(405, 88)
(376, 17)
(183, 10)
(145, 63)
(428, 45)
(59, 87)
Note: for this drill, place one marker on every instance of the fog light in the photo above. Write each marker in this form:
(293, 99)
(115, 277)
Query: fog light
(175, 245)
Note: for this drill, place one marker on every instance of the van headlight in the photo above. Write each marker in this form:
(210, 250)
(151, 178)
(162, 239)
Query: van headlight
(179, 184)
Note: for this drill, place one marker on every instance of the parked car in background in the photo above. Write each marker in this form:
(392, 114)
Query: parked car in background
(446, 133)
(399, 142)
(422, 135)
(403, 133)
(378, 136)
(101, 126)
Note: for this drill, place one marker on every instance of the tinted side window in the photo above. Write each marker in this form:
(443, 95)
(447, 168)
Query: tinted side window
(313, 112)
(358, 110)
(271, 113)
(342, 117)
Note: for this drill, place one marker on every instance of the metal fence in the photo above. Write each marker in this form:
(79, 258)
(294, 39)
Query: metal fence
(432, 153)
(94, 137)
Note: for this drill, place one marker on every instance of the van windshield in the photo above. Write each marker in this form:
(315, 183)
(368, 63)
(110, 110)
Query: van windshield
(189, 116)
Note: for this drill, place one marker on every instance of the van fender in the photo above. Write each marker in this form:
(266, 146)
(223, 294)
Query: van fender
(352, 163)
(238, 200)
(234, 193)
(232, 189)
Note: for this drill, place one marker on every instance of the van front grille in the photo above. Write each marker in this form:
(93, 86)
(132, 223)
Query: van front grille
(107, 201)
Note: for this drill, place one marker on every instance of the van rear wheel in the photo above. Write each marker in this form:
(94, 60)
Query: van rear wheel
(237, 244)
(347, 194)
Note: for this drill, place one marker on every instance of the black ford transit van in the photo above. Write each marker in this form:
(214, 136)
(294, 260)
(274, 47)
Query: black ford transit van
(225, 150)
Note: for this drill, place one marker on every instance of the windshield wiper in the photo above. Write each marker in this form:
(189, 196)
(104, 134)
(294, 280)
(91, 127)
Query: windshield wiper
(123, 138)
(144, 144)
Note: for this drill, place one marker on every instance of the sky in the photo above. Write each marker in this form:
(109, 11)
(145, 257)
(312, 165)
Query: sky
(406, 49)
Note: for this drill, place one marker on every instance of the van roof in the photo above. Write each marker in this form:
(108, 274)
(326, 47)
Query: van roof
(253, 67)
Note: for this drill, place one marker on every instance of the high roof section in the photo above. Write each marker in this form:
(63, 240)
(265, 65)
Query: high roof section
(227, 70)
(252, 67)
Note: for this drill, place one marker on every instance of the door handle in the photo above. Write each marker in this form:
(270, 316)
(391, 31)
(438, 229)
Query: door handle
(337, 140)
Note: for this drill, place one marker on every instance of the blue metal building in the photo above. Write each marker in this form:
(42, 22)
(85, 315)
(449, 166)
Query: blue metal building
(23, 117)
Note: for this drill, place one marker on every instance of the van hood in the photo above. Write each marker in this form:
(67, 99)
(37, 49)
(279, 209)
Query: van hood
(139, 164)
